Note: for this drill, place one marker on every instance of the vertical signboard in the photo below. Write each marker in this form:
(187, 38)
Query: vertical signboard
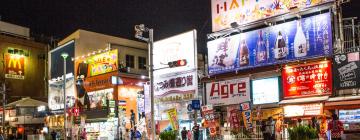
(176, 83)
(56, 94)
(56, 68)
(301, 39)
(14, 66)
(347, 70)
(225, 12)
(307, 80)
(228, 92)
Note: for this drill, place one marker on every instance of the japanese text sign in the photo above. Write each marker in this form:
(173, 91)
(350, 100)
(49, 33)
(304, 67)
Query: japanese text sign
(103, 63)
(228, 92)
(247, 119)
(347, 70)
(173, 118)
(307, 80)
(303, 110)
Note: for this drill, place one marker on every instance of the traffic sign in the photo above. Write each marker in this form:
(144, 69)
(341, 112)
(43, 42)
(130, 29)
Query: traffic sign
(196, 104)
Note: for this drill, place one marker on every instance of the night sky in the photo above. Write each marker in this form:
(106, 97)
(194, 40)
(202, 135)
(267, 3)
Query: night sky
(59, 18)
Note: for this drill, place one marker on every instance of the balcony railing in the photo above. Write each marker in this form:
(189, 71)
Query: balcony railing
(351, 34)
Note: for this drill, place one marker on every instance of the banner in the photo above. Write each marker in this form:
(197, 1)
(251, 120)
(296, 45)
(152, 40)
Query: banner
(14, 66)
(228, 92)
(247, 119)
(103, 63)
(173, 118)
(295, 40)
(303, 110)
(210, 122)
(56, 94)
(307, 80)
(347, 71)
(233, 118)
(176, 83)
(225, 12)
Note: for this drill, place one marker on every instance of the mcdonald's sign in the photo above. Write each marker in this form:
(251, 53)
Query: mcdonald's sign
(14, 66)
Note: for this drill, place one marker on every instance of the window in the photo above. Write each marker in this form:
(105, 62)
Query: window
(142, 62)
(130, 61)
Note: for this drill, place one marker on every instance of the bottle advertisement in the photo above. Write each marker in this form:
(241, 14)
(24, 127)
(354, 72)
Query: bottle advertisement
(305, 38)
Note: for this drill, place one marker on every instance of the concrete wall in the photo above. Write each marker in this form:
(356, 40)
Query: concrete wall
(34, 83)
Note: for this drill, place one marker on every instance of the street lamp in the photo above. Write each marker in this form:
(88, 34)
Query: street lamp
(64, 55)
(139, 30)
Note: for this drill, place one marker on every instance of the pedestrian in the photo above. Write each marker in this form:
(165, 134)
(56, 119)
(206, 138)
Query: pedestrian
(53, 135)
(135, 134)
(265, 133)
(127, 134)
(299, 122)
(196, 131)
(315, 125)
(83, 134)
(189, 135)
(270, 129)
(336, 128)
(132, 118)
(183, 133)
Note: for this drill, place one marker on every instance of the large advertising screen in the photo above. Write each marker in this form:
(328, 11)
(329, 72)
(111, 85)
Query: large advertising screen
(228, 92)
(225, 12)
(265, 91)
(103, 63)
(176, 83)
(307, 80)
(56, 60)
(347, 70)
(295, 40)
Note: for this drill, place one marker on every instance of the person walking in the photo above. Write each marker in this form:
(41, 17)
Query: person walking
(53, 135)
(189, 135)
(183, 133)
(135, 134)
(196, 131)
(336, 128)
(132, 118)
(270, 129)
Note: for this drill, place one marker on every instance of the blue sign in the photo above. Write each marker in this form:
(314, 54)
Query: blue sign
(301, 39)
(195, 104)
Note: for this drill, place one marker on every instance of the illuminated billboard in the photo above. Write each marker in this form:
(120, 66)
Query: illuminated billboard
(265, 91)
(225, 12)
(14, 66)
(103, 63)
(306, 38)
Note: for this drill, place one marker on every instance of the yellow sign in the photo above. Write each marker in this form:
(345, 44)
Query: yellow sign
(103, 63)
(14, 66)
(173, 118)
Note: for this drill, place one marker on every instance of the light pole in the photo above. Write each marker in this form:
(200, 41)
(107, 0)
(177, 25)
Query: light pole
(64, 55)
(139, 29)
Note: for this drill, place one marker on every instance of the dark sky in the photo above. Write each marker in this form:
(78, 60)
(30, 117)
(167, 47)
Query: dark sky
(59, 18)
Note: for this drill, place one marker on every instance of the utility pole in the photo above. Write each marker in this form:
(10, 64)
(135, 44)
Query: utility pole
(65, 55)
(139, 29)
(3, 92)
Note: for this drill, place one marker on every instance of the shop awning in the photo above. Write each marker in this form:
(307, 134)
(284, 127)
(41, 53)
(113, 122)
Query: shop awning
(305, 100)
(345, 102)
(27, 102)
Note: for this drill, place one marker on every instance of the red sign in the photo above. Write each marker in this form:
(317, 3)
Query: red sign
(307, 80)
(210, 121)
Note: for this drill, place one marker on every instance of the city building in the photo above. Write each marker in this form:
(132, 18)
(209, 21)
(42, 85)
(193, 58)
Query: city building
(104, 84)
(23, 64)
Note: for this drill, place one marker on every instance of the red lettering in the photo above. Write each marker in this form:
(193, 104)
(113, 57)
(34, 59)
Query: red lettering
(232, 88)
(224, 91)
(214, 88)
(241, 87)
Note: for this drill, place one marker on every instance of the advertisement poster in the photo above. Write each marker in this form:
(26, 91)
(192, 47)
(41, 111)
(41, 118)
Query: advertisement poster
(173, 118)
(228, 92)
(306, 38)
(14, 66)
(265, 91)
(176, 83)
(233, 113)
(247, 118)
(303, 110)
(210, 122)
(225, 12)
(347, 71)
(56, 94)
(103, 63)
(305, 80)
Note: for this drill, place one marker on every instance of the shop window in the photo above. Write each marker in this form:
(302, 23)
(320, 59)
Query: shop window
(142, 63)
(130, 62)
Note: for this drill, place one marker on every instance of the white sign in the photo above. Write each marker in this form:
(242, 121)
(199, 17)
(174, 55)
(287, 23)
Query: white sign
(265, 91)
(228, 92)
(56, 94)
(176, 80)
(303, 110)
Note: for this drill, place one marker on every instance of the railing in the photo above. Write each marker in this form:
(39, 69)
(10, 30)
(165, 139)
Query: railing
(351, 34)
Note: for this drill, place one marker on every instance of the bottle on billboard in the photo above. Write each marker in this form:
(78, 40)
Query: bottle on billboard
(261, 50)
(300, 44)
(244, 53)
(280, 49)
(326, 38)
